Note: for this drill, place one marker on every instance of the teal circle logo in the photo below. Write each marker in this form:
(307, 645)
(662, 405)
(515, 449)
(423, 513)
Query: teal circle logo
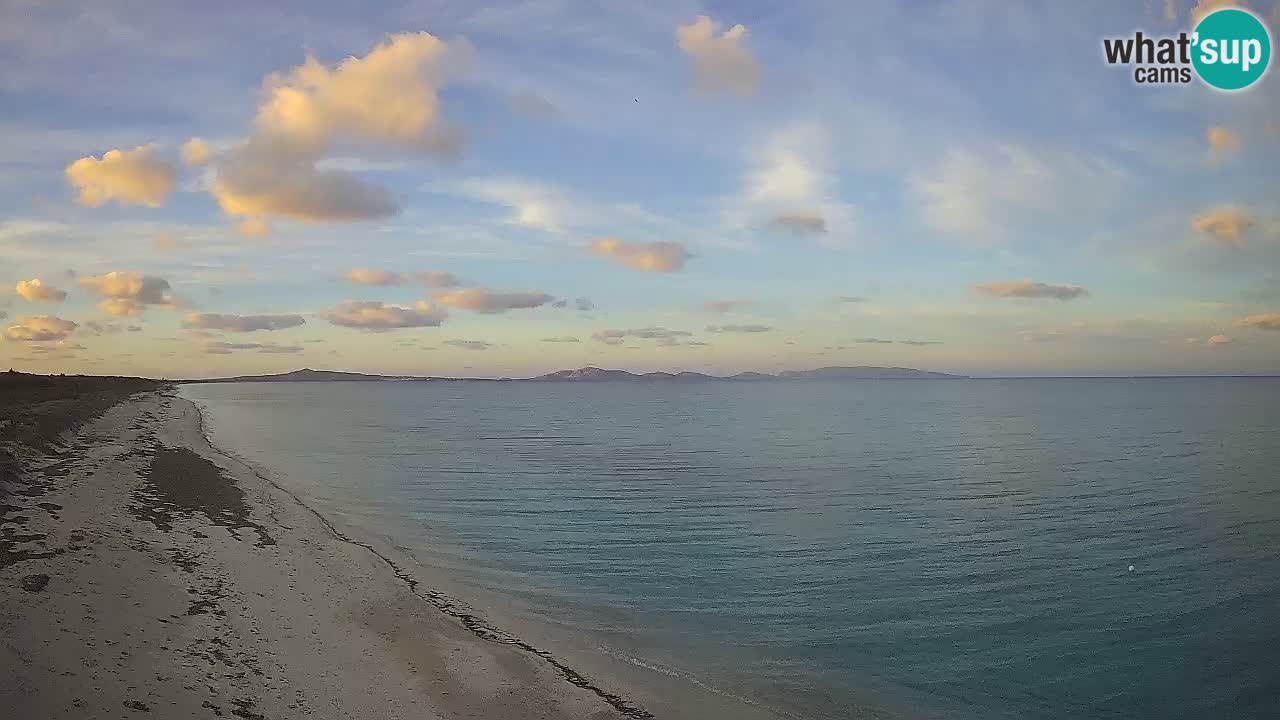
(1232, 49)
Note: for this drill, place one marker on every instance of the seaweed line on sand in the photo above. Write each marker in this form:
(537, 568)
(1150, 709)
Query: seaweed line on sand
(445, 604)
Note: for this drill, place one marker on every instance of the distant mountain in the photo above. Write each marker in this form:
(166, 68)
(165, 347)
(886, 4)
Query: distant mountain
(594, 374)
(866, 372)
(303, 375)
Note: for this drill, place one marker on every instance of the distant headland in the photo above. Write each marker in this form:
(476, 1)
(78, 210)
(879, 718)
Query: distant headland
(596, 375)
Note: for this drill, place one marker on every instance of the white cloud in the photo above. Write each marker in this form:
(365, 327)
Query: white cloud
(36, 291)
(721, 63)
(532, 204)
(487, 301)
(377, 317)
(241, 323)
(1030, 289)
(789, 186)
(643, 256)
(129, 177)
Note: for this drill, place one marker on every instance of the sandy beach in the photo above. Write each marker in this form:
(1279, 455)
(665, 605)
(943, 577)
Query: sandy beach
(144, 573)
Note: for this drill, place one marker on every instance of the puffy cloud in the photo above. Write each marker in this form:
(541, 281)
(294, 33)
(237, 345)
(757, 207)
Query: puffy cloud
(801, 222)
(663, 335)
(39, 329)
(369, 276)
(470, 344)
(129, 177)
(241, 323)
(388, 97)
(726, 306)
(642, 256)
(1029, 289)
(226, 348)
(1222, 141)
(561, 339)
(35, 290)
(493, 301)
(129, 293)
(1264, 321)
(1220, 340)
(196, 152)
(738, 328)
(720, 61)
(1228, 224)
(377, 317)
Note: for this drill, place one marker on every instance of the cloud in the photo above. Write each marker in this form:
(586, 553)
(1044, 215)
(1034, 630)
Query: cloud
(482, 300)
(532, 204)
(377, 317)
(369, 276)
(98, 328)
(196, 152)
(663, 335)
(389, 97)
(129, 177)
(726, 306)
(788, 186)
(920, 343)
(241, 323)
(872, 341)
(226, 348)
(584, 304)
(561, 339)
(848, 299)
(974, 194)
(470, 344)
(40, 329)
(129, 293)
(36, 291)
(1228, 224)
(253, 228)
(1222, 142)
(1204, 7)
(1217, 340)
(1263, 321)
(721, 64)
(1029, 289)
(801, 222)
(738, 328)
(642, 256)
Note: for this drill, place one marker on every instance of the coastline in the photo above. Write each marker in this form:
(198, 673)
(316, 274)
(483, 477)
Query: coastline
(172, 578)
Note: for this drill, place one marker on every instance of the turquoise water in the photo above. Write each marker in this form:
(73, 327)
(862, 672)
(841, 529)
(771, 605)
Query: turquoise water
(898, 549)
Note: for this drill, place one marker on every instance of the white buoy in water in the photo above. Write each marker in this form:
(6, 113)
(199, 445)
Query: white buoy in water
(1130, 568)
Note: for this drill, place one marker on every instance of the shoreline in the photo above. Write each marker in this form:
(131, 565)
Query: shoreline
(178, 579)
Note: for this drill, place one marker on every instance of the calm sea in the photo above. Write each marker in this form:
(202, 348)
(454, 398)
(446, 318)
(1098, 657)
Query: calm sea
(1099, 548)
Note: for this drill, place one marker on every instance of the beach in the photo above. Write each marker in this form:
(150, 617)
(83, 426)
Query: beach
(146, 573)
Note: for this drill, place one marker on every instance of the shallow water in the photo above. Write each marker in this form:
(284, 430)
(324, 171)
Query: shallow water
(895, 548)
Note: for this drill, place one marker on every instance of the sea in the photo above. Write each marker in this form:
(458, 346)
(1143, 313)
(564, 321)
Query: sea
(987, 548)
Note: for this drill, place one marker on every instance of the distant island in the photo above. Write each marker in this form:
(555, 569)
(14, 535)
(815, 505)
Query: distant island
(598, 375)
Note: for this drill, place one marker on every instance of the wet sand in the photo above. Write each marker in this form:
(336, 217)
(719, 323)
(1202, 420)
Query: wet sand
(143, 573)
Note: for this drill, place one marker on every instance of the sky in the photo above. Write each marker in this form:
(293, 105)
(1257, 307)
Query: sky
(450, 187)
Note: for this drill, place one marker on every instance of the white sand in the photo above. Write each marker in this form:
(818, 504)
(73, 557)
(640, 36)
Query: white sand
(206, 620)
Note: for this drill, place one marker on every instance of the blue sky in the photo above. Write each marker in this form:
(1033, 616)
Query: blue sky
(968, 177)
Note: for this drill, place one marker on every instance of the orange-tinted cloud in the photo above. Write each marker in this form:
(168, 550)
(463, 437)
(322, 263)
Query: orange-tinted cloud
(1029, 289)
(40, 329)
(1228, 224)
(642, 256)
(129, 177)
(35, 290)
(377, 317)
(241, 323)
(493, 301)
(721, 63)
(1263, 321)
(129, 293)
